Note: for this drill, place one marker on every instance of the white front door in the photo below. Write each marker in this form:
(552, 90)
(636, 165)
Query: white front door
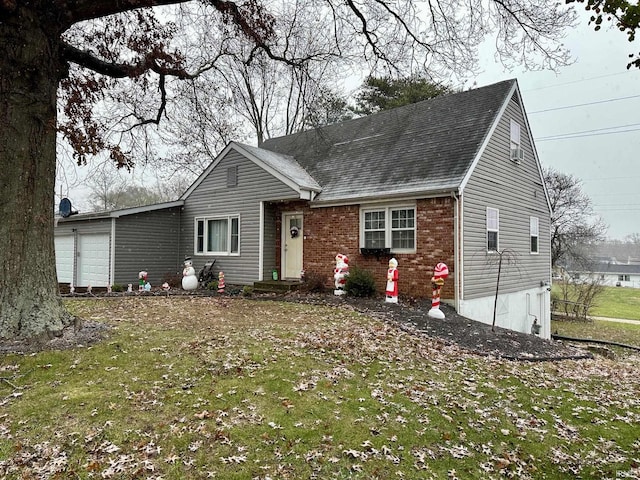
(292, 240)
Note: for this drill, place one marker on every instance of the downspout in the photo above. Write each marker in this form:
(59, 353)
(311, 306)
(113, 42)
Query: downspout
(112, 252)
(261, 243)
(457, 250)
(74, 274)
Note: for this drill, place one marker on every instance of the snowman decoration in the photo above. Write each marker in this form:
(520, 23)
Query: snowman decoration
(189, 279)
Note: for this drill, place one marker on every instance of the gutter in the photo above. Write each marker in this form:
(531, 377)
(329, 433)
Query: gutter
(378, 199)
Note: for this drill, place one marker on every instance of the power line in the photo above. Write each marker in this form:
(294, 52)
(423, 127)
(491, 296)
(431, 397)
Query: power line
(589, 131)
(584, 104)
(569, 136)
(576, 81)
(599, 179)
(609, 210)
(617, 205)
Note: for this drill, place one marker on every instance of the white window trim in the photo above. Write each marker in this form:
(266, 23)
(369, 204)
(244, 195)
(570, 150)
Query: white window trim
(206, 219)
(534, 234)
(388, 230)
(497, 230)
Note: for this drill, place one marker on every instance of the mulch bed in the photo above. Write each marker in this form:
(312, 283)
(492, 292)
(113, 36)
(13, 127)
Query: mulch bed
(469, 334)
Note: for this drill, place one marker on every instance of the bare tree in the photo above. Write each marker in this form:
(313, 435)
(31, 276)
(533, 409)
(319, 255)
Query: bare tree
(577, 296)
(83, 51)
(506, 258)
(574, 225)
(276, 98)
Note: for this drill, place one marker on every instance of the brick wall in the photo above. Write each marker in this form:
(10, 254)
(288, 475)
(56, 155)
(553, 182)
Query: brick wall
(332, 230)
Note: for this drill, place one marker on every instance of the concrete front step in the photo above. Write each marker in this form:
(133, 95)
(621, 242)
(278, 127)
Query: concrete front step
(276, 286)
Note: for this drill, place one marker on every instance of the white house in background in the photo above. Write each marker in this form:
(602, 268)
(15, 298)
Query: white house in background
(613, 274)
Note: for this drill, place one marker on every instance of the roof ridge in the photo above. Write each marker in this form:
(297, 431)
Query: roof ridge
(391, 111)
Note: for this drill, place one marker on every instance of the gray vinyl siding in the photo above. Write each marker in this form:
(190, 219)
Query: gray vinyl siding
(517, 192)
(147, 241)
(83, 226)
(269, 256)
(212, 197)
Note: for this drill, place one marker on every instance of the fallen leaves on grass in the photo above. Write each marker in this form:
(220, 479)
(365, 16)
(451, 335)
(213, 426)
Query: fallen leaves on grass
(268, 390)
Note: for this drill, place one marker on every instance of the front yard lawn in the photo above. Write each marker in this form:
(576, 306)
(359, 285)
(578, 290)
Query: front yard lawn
(242, 389)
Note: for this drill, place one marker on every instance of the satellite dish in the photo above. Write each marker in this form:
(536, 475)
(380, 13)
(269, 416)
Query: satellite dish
(65, 208)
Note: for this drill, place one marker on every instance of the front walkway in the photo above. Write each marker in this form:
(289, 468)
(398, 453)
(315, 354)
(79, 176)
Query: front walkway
(620, 320)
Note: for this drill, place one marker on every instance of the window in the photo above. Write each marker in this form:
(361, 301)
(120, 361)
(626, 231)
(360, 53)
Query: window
(390, 227)
(516, 153)
(533, 232)
(493, 223)
(624, 278)
(515, 134)
(219, 235)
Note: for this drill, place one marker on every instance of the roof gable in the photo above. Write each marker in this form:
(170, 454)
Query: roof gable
(419, 148)
(283, 167)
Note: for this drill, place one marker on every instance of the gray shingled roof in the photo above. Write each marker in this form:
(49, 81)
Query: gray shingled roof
(422, 147)
(617, 268)
(285, 164)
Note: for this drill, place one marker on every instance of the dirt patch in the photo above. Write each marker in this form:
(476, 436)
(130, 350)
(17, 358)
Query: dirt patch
(82, 334)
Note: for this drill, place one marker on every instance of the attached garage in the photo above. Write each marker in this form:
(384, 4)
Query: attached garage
(107, 248)
(93, 260)
(83, 259)
(65, 249)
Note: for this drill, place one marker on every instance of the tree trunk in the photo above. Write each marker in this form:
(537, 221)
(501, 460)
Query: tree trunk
(30, 70)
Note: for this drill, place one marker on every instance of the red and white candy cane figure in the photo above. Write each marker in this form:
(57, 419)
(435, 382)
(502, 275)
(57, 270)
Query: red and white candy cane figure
(439, 274)
(221, 282)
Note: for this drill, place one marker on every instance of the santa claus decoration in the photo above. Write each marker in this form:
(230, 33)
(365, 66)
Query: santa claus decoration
(391, 291)
(340, 274)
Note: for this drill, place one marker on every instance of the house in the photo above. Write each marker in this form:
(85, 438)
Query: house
(454, 179)
(611, 274)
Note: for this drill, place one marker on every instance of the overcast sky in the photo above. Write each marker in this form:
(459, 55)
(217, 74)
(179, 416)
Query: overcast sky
(585, 121)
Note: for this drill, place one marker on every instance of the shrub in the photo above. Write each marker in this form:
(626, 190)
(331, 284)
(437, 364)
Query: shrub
(360, 283)
(212, 285)
(116, 287)
(247, 291)
(314, 282)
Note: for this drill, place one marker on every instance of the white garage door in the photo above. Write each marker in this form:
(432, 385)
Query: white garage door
(64, 258)
(93, 260)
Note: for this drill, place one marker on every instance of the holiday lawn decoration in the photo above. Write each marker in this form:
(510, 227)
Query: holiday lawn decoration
(440, 273)
(340, 274)
(391, 290)
(189, 279)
